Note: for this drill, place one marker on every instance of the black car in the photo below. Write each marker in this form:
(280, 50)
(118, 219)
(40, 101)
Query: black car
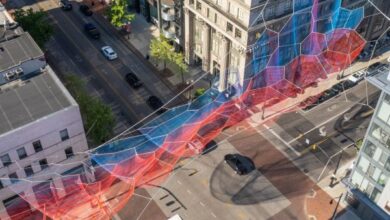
(240, 164)
(339, 87)
(66, 5)
(92, 30)
(133, 80)
(155, 103)
(85, 10)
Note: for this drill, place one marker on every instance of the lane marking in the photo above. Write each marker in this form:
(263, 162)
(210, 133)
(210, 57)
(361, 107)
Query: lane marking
(212, 213)
(188, 191)
(202, 204)
(280, 138)
(178, 182)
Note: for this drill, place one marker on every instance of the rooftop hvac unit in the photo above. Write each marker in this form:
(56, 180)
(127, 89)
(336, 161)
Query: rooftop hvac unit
(11, 75)
(19, 71)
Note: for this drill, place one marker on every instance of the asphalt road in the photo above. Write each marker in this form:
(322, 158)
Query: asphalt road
(85, 53)
(208, 189)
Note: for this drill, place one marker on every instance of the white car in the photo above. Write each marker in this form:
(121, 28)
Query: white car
(109, 53)
(357, 76)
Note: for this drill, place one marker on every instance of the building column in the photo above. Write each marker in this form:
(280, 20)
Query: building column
(206, 47)
(224, 63)
(189, 36)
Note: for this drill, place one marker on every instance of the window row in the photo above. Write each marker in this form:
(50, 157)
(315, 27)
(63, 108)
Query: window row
(37, 145)
(28, 170)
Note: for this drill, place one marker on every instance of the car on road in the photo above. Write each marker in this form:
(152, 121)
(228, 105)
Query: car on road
(155, 103)
(85, 10)
(92, 31)
(66, 5)
(109, 53)
(328, 94)
(133, 80)
(240, 164)
(339, 87)
(358, 76)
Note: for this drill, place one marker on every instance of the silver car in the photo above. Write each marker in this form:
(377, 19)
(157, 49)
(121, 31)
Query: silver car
(109, 53)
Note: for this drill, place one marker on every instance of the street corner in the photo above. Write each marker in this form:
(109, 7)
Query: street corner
(319, 205)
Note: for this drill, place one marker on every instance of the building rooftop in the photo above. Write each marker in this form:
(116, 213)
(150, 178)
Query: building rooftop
(381, 79)
(17, 50)
(29, 100)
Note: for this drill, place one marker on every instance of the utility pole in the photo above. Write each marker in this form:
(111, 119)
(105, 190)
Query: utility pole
(337, 205)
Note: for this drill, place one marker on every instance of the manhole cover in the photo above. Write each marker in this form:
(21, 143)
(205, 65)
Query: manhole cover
(305, 170)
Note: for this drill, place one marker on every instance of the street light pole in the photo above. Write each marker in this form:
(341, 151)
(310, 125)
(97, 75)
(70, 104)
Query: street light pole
(337, 205)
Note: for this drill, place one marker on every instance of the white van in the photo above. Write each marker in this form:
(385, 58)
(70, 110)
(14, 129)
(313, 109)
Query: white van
(175, 217)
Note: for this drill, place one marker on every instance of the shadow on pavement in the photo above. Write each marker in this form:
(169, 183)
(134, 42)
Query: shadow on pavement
(252, 188)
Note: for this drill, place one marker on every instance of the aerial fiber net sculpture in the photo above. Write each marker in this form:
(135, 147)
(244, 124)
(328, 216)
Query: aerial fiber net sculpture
(309, 47)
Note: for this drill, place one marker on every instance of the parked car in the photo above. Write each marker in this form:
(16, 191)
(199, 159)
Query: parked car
(66, 5)
(92, 31)
(240, 164)
(85, 10)
(155, 103)
(358, 76)
(109, 53)
(133, 80)
(339, 87)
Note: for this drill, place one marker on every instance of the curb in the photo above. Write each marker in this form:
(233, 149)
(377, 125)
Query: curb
(103, 22)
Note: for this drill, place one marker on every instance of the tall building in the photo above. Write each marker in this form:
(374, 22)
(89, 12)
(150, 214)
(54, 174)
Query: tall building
(369, 181)
(221, 35)
(41, 130)
(166, 15)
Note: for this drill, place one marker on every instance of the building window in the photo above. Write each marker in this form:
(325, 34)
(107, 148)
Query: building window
(64, 135)
(6, 160)
(238, 34)
(229, 27)
(384, 112)
(198, 6)
(215, 18)
(369, 149)
(69, 152)
(208, 13)
(37, 146)
(22, 153)
(1, 185)
(43, 164)
(28, 170)
(191, 2)
(13, 178)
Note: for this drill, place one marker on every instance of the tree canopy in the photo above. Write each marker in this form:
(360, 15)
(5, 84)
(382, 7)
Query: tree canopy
(118, 14)
(162, 50)
(35, 22)
(97, 117)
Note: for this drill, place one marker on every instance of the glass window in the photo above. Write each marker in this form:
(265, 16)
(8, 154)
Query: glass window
(22, 153)
(375, 194)
(357, 179)
(28, 170)
(387, 165)
(37, 146)
(363, 164)
(43, 164)
(1, 185)
(378, 133)
(64, 135)
(369, 149)
(238, 33)
(377, 154)
(69, 152)
(229, 27)
(383, 158)
(6, 160)
(382, 180)
(13, 177)
(384, 112)
(198, 6)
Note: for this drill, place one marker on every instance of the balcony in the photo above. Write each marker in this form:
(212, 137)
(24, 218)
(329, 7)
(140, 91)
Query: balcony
(167, 14)
(168, 32)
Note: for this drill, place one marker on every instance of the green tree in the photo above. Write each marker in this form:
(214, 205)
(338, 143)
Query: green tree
(118, 14)
(199, 92)
(97, 117)
(162, 50)
(35, 22)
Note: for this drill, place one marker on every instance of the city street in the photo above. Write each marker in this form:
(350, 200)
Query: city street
(72, 50)
(281, 156)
